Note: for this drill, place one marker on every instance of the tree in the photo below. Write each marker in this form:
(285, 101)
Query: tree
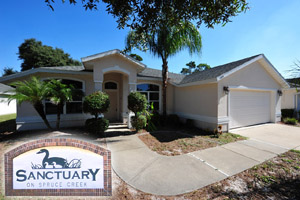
(34, 54)
(33, 91)
(192, 68)
(59, 94)
(8, 71)
(145, 16)
(165, 42)
(96, 103)
(137, 57)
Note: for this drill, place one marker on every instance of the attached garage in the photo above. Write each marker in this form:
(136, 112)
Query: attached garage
(249, 108)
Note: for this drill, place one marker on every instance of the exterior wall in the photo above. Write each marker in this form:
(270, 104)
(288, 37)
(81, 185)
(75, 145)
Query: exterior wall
(198, 103)
(6, 108)
(288, 98)
(28, 118)
(253, 77)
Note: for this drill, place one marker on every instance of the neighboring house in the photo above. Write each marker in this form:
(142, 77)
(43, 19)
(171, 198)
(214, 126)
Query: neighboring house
(237, 94)
(6, 108)
(291, 96)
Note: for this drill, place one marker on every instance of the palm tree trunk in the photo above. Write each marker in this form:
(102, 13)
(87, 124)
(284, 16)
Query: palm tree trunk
(39, 107)
(59, 107)
(164, 86)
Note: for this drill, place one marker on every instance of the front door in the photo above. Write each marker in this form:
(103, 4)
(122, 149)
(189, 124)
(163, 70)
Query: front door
(111, 88)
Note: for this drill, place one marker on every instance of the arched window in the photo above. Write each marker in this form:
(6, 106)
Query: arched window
(110, 86)
(152, 93)
(72, 107)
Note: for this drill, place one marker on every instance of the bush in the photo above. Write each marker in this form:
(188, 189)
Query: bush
(287, 113)
(96, 126)
(139, 122)
(96, 103)
(137, 102)
(173, 120)
(189, 123)
(288, 120)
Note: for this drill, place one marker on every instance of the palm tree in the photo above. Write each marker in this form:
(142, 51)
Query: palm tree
(59, 94)
(165, 42)
(33, 91)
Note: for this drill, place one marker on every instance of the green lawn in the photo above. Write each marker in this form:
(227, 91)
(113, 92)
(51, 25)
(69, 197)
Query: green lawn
(7, 117)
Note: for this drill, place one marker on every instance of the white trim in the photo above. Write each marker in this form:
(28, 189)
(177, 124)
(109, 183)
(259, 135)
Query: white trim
(277, 76)
(38, 70)
(159, 90)
(95, 81)
(238, 68)
(114, 90)
(197, 117)
(111, 52)
(251, 88)
(132, 83)
(115, 68)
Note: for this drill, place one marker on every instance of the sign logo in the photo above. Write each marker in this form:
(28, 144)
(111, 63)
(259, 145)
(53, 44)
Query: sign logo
(55, 162)
(65, 168)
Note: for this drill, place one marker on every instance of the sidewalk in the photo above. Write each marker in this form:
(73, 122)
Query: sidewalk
(150, 172)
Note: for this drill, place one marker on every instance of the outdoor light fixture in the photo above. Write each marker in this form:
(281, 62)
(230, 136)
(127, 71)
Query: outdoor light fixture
(226, 89)
(279, 92)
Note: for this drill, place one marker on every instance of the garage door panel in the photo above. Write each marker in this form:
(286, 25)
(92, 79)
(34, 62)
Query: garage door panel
(249, 108)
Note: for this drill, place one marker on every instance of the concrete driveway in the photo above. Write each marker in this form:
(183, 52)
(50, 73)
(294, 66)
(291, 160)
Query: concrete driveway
(150, 172)
(275, 134)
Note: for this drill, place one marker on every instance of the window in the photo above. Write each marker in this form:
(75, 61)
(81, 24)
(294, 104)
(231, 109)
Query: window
(72, 107)
(110, 86)
(151, 92)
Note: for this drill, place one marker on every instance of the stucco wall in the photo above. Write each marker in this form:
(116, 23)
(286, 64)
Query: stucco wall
(252, 76)
(288, 98)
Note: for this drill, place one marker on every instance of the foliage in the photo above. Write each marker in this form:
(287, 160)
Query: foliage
(192, 68)
(59, 94)
(145, 16)
(173, 120)
(288, 120)
(139, 122)
(8, 71)
(287, 113)
(34, 54)
(96, 125)
(151, 126)
(137, 102)
(166, 41)
(33, 91)
(137, 57)
(96, 103)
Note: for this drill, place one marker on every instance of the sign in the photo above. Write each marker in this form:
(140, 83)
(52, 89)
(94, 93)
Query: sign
(68, 168)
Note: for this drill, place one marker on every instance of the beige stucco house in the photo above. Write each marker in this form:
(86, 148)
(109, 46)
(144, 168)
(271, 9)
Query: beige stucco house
(237, 94)
(291, 96)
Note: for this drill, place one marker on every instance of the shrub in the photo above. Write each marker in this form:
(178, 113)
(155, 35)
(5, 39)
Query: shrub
(96, 103)
(287, 113)
(139, 122)
(137, 102)
(189, 123)
(96, 126)
(288, 120)
(173, 120)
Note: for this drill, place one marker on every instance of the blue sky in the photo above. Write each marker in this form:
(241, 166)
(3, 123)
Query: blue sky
(271, 27)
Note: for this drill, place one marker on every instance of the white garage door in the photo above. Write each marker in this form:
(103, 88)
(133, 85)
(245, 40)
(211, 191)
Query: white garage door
(249, 107)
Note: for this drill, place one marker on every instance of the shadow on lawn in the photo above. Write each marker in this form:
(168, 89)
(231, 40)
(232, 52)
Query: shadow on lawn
(168, 134)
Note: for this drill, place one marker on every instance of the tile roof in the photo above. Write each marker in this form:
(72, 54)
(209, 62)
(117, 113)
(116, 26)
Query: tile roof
(66, 68)
(155, 73)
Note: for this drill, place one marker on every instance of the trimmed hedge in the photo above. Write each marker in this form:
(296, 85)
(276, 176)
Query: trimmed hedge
(139, 122)
(288, 120)
(96, 126)
(287, 113)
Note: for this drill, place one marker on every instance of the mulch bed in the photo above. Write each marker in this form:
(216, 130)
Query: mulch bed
(173, 143)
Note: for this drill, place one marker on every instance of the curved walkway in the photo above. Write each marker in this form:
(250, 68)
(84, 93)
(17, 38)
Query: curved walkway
(150, 172)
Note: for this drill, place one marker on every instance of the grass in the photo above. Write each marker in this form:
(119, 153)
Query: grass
(184, 141)
(7, 117)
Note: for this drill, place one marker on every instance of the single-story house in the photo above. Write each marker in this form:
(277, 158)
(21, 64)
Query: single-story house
(6, 108)
(291, 96)
(236, 94)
